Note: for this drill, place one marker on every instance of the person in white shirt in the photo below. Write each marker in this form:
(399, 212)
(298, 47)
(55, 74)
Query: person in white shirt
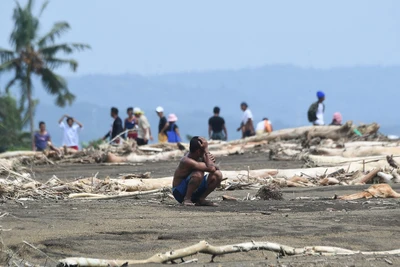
(247, 125)
(264, 126)
(320, 109)
(71, 132)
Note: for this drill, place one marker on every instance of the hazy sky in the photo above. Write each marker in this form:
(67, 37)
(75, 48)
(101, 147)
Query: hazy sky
(148, 37)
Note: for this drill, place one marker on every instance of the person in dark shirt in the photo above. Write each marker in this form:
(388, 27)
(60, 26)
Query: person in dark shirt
(216, 126)
(162, 126)
(117, 126)
(131, 124)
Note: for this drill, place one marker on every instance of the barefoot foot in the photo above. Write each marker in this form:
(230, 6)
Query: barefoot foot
(206, 203)
(187, 202)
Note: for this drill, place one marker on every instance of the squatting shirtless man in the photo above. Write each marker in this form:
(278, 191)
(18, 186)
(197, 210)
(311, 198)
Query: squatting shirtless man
(190, 186)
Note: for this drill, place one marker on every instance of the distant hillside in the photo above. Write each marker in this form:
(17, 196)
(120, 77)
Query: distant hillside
(282, 93)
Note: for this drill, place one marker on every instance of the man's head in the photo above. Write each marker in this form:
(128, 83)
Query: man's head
(129, 111)
(265, 119)
(321, 96)
(160, 112)
(243, 106)
(195, 146)
(114, 112)
(42, 126)
(70, 121)
(217, 110)
(137, 112)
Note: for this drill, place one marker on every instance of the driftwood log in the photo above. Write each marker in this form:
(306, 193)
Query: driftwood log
(205, 248)
(310, 132)
(377, 191)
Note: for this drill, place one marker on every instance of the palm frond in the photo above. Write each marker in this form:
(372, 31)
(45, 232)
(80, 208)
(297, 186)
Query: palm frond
(44, 5)
(65, 98)
(53, 83)
(25, 26)
(58, 29)
(54, 63)
(6, 55)
(6, 66)
(50, 51)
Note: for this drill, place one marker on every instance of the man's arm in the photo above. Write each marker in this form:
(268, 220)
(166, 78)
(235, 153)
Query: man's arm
(62, 118)
(79, 124)
(209, 131)
(250, 125)
(165, 127)
(177, 132)
(226, 132)
(199, 166)
(107, 135)
(240, 127)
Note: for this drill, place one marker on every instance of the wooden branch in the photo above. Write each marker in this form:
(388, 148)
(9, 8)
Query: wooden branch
(89, 196)
(369, 176)
(205, 248)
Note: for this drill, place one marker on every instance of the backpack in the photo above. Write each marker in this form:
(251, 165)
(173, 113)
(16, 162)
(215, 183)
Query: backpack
(312, 112)
(172, 136)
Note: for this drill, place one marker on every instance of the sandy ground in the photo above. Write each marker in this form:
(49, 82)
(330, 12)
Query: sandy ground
(138, 228)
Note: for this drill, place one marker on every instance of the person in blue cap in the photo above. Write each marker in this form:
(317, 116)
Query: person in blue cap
(317, 109)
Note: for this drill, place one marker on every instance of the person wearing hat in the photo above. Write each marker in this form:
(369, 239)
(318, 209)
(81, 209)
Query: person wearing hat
(162, 126)
(316, 111)
(247, 125)
(173, 130)
(144, 132)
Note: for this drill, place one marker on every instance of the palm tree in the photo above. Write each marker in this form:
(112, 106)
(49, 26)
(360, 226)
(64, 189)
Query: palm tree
(33, 55)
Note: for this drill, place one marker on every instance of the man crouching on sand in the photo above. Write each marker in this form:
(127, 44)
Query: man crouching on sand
(190, 186)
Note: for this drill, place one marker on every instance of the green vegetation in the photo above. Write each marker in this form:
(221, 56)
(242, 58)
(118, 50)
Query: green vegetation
(33, 55)
(94, 143)
(13, 118)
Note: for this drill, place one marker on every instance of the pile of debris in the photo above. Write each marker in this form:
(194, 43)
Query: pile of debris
(287, 144)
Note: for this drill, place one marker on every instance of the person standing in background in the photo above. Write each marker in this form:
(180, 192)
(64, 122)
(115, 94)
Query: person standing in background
(131, 124)
(71, 132)
(116, 127)
(216, 126)
(316, 111)
(162, 126)
(247, 125)
(144, 132)
(173, 130)
(264, 126)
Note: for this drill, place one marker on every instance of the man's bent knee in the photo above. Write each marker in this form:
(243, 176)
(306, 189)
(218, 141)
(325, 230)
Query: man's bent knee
(196, 177)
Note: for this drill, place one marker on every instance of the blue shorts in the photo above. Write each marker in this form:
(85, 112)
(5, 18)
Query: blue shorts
(179, 191)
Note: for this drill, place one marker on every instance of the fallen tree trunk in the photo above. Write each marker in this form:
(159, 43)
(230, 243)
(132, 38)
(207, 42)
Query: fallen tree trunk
(143, 158)
(205, 248)
(13, 154)
(306, 132)
(355, 163)
(377, 191)
(88, 196)
(368, 177)
(354, 152)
